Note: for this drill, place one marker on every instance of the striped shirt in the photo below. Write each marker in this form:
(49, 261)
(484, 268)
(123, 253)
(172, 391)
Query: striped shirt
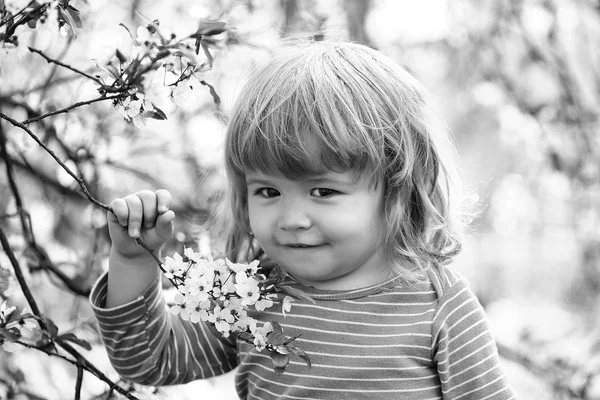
(389, 341)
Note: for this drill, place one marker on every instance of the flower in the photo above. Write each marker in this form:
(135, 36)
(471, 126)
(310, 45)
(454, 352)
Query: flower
(248, 291)
(260, 335)
(221, 293)
(263, 304)
(5, 312)
(286, 306)
(186, 92)
(174, 266)
(132, 108)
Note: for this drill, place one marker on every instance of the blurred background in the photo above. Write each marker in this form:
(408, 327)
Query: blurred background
(516, 80)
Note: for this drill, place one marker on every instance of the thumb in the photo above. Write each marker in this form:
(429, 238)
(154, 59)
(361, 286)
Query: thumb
(164, 224)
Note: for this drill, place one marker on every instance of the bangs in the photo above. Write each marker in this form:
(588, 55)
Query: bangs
(278, 143)
(302, 120)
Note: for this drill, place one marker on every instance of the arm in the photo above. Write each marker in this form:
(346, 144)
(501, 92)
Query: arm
(144, 342)
(148, 345)
(144, 215)
(464, 349)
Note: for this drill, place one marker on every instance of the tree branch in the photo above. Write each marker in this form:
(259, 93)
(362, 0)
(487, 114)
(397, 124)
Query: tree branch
(67, 109)
(58, 160)
(51, 60)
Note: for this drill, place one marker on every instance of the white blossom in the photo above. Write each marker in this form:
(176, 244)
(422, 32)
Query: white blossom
(221, 292)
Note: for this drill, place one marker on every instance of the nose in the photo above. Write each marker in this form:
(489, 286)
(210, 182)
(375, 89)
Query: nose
(294, 215)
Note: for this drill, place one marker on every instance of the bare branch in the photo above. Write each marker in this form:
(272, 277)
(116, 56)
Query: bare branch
(58, 160)
(51, 60)
(20, 277)
(67, 109)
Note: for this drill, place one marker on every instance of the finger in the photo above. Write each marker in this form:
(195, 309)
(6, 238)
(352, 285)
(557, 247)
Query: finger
(134, 221)
(149, 211)
(120, 211)
(164, 224)
(163, 200)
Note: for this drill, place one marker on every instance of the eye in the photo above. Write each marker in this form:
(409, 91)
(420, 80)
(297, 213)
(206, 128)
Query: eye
(266, 192)
(323, 192)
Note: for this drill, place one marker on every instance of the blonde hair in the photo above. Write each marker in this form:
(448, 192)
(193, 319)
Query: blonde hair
(351, 108)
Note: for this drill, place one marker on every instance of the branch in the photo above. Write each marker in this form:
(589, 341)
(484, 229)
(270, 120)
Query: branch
(58, 160)
(51, 60)
(78, 382)
(82, 363)
(67, 109)
(48, 265)
(13, 186)
(46, 180)
(20, 277)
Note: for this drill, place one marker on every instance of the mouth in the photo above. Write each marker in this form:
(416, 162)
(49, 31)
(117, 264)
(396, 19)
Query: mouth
(301, 245)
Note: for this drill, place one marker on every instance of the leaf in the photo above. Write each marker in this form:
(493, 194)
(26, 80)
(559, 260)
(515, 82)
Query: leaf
(65, 18)
(209, 56)
(300, 353)
(121, 57)
(280, 361)
(276, 338)
(297, 293)
(33, 17)
(155, 113)
(12, 334)
(74, 16)
(69, 337)
(209, 27)
(51, 327)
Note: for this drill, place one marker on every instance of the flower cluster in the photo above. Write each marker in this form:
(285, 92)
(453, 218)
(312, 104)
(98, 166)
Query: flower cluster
(135, 108)
(157, 56)
(225, 294)
(13, 326)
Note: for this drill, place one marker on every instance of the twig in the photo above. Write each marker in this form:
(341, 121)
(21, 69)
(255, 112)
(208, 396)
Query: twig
(48, 265)
(20, 277)
(51, 60)
(135, 172)
(47, 181)
(13, 187)
(95, 371)
(78, 382)
(58, 160)
(67, 109)
(48, 81)
(79, 181)
(82, 362)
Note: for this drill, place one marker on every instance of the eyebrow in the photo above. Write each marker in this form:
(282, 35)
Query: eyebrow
(318, 179)
(257, 181)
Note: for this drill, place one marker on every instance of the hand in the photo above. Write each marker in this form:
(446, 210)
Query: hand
(143, 215)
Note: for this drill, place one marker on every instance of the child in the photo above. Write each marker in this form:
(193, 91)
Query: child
(338, 174)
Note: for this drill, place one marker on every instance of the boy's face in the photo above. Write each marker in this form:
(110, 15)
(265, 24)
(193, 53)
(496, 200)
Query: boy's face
(323, 230)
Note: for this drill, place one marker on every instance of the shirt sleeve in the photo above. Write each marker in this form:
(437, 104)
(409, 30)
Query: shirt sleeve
(147, 344)
(463, 347)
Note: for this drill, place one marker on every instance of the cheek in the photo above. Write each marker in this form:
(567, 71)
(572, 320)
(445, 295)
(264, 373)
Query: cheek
(259, 219)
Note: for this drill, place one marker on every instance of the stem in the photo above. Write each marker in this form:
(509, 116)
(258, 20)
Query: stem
(95, 371)
(78, 382)
(55, 157)
(14, 188)
(80, 182)
(51, 60)
(20, 278)
(82, 363)
(67, 109)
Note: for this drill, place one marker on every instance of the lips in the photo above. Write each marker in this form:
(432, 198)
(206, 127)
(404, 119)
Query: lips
(300, 245)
